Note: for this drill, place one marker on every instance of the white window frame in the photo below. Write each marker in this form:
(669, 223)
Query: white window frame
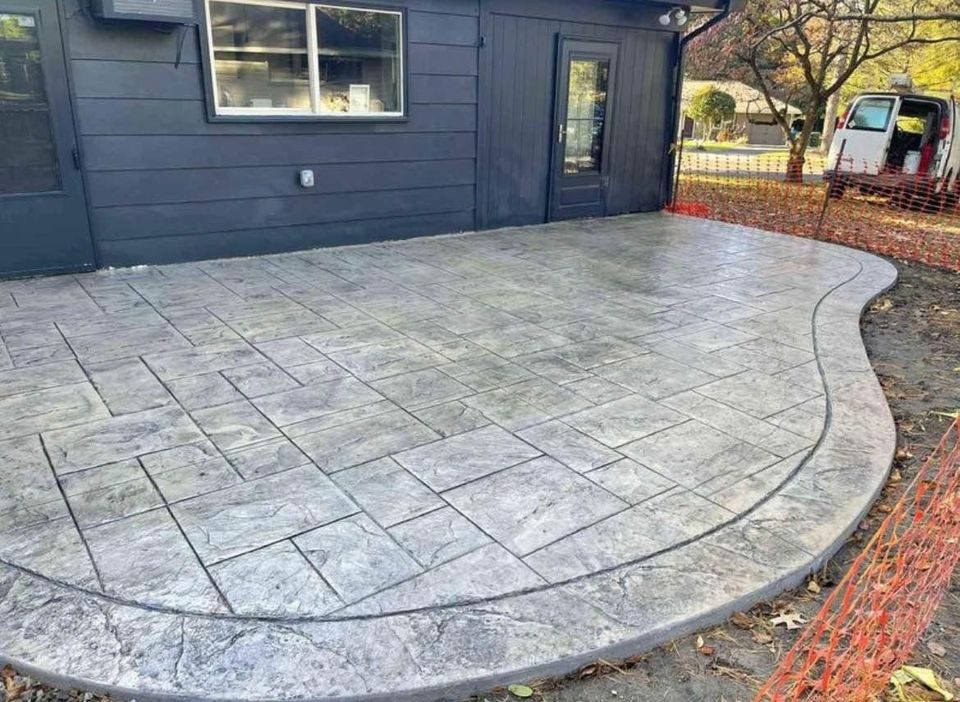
(313, 64)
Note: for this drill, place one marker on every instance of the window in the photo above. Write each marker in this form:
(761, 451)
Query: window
(274, 58)
(871, 114)
(586, 115)
(28, 154)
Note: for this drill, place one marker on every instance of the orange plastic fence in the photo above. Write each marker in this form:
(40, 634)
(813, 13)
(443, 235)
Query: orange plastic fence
(911, 217)
(873, 619)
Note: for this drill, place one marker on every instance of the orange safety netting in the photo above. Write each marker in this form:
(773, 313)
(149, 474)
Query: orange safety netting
(911, 217)
(870, 623)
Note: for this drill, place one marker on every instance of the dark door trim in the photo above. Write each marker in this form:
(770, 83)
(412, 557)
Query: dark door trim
(58, 85)
(63, 18)
(570, 47)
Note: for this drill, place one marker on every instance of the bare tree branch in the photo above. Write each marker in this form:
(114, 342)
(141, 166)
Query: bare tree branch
(897, 19)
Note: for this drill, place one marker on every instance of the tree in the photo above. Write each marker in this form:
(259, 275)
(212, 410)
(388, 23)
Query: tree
(933, 67)
(805, 51)
(711, 107)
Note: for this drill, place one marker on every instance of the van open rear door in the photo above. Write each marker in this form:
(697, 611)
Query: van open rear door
(948, 170)
(864, 135)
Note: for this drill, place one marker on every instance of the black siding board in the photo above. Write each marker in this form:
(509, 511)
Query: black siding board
(654, 148)
(439, 59)
(430, 28)
(129, 41)
(447, 90)
(148, 221)
(251, 242)
(138, 153)
(116, 188)
(446, 7)
(115, 116)
(521, 120)
(134, 79)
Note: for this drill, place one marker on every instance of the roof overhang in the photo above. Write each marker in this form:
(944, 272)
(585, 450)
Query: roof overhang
(714, 5)
(696, 5)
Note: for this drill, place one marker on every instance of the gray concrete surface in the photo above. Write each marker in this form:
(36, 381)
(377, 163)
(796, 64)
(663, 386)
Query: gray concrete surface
(408, 470)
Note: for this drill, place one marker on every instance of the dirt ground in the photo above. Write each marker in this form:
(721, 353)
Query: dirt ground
(913, 338)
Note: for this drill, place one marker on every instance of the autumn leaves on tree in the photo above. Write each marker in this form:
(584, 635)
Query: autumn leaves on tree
(806, 51)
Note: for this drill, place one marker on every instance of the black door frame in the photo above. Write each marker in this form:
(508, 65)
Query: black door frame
(65, 127)
(594, 48)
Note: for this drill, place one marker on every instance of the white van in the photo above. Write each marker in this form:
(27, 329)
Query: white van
(899, 144)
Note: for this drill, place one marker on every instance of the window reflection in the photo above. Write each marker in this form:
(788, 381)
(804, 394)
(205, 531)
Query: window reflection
(260, 56)
(263, 61)
(28, 155)
(586, 115)
(359, 61)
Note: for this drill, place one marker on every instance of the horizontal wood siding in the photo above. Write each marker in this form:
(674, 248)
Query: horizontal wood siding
(517, 125)
(122, 188)
(166, 184)
(249, 242)
(112, 153)
(146, 221)
(137, 117)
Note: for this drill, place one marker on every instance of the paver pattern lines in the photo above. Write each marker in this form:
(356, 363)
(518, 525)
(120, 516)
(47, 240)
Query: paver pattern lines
(393, 427)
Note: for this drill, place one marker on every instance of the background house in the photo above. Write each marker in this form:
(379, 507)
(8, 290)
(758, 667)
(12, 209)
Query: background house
(754, 120)
(175, 130)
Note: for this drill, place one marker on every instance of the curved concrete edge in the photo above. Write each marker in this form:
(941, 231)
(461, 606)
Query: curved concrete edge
(78, 640)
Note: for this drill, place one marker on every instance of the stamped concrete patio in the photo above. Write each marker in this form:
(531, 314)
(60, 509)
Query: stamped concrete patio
(411, 470)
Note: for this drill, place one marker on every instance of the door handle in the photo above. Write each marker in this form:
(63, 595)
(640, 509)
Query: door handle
(560, 132)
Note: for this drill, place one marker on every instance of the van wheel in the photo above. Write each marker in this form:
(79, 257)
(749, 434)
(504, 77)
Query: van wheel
(951, 201)
(900, 198)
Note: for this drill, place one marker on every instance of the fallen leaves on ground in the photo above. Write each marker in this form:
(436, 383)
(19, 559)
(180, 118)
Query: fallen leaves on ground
(704, 648)
(791, 620)
(10, 686)
(521, 691)
(871, 223)
(911, 684)
(743, 621)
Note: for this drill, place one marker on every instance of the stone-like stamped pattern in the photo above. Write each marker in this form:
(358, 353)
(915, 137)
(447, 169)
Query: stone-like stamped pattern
(404, 471)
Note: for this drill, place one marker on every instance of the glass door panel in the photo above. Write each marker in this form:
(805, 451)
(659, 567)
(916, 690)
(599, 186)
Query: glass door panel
(28, 154)
(586, 76)
(586, 113)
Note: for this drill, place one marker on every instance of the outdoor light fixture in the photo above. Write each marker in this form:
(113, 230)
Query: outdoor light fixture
(677, 14)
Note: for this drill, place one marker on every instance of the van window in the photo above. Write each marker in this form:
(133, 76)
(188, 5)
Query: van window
(871, 114)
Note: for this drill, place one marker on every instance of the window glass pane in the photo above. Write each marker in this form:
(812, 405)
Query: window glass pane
(586, 115)
(260, 56)
(871, 114)
(28, 157)
(359, 56)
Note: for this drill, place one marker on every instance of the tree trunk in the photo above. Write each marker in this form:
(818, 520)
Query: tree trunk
(798, 149)
(795, 166)
(833, 108)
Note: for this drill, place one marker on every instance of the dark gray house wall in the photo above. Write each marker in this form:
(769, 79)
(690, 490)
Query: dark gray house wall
(516, 103)
(166, 183)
